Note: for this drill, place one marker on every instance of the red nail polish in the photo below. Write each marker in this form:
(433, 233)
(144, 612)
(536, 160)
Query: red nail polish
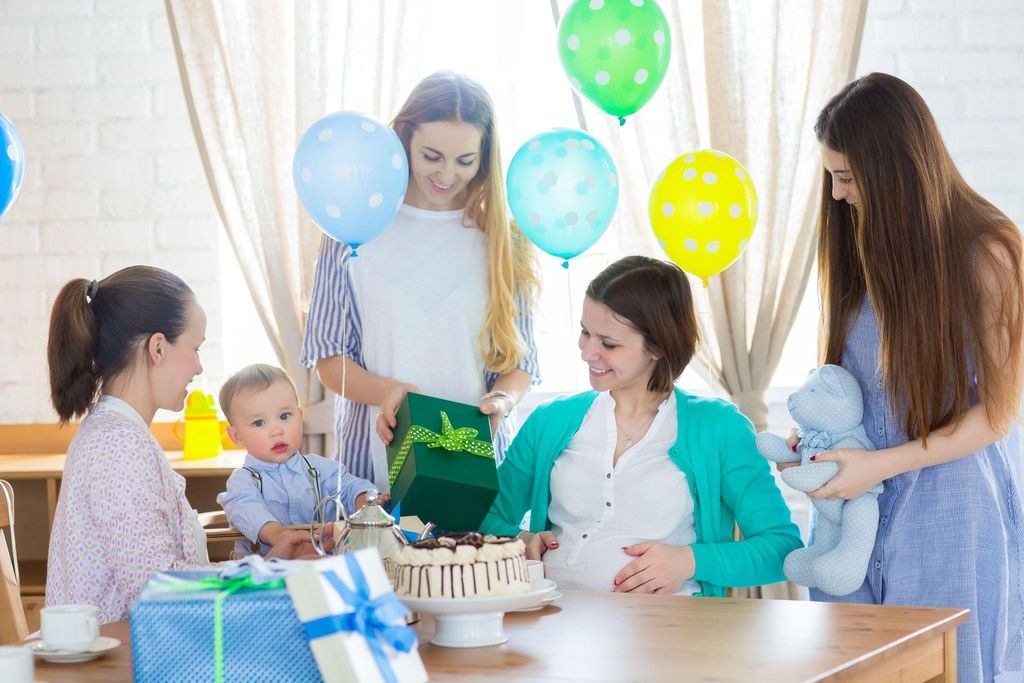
(814, 458)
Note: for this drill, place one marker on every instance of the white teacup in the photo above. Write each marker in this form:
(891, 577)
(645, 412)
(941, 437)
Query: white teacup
(17, 665)
(536, 570)
(70, 627)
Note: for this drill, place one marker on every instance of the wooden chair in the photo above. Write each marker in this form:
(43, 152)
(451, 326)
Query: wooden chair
(217, 530)
(13, 627)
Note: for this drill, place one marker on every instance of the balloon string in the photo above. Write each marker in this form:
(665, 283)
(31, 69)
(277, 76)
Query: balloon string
(344, 373)
(572, 323)
(704, 310)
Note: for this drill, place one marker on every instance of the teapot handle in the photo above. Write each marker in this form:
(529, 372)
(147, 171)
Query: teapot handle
(318, 513)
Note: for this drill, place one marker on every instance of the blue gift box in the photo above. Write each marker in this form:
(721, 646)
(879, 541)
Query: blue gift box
(174, 636)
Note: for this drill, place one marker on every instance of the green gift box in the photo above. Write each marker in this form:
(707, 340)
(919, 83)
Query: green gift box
(441, 462)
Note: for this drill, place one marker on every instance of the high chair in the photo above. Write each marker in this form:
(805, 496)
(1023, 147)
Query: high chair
(13, 627)
(215, 524)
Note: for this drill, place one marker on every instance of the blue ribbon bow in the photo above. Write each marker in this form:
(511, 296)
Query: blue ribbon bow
(817, 439)
(375, 620)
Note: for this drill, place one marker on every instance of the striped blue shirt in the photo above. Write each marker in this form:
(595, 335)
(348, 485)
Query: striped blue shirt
(335, 306)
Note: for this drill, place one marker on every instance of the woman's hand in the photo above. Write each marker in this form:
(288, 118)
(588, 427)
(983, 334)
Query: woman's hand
(859, 471)
(496, 406)
(658, 568)
(538, 544)
(326, 533)
(382, 499)
(388, 407)
(793, 440)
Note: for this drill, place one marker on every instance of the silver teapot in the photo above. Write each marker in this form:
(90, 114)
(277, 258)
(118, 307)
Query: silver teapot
(369, 527)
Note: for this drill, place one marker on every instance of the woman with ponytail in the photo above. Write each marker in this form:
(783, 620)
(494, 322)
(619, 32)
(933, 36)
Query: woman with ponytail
(120, 349)
(441, 301)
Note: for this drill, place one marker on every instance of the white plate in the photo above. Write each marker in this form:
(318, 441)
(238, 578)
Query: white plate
(476, 622)
(498, 603)
(98, 647)
(545, 601)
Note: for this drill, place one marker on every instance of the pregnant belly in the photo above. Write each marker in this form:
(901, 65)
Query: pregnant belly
(595, 565)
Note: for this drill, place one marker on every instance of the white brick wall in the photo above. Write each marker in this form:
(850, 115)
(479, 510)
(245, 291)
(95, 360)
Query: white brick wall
(113, 179)
(966, 57)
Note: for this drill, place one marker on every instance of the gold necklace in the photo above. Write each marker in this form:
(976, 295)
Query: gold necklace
(640, 431)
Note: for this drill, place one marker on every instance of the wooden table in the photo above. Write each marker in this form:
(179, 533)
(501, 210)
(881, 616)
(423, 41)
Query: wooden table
(610, 637)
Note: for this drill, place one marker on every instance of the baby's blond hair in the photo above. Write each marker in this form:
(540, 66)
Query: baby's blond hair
(256, 377)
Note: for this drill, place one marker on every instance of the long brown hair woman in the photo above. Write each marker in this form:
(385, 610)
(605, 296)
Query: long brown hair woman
(923, 300)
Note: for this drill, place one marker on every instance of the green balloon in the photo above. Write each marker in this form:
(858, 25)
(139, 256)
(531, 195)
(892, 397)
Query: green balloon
(615, 52)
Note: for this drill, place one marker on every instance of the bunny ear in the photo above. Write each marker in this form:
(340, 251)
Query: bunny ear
(832, 378)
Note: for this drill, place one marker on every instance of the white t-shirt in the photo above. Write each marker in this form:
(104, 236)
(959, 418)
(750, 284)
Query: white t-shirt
(411, 306)
(597, 508)
(430, 269)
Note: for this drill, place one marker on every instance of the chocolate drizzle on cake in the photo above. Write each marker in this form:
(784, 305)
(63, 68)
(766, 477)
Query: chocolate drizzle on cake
(421, 566)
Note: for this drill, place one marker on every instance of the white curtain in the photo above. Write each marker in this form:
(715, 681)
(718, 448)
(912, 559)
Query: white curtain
(255, 76)
(770, 68)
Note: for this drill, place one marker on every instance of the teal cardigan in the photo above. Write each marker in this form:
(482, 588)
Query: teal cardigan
(729, 482)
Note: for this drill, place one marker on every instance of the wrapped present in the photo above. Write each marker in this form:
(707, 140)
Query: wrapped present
(354, 622)
(441, 462)
(215, 626)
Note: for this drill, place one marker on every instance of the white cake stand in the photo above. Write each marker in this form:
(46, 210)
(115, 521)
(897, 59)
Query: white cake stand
(475, 622)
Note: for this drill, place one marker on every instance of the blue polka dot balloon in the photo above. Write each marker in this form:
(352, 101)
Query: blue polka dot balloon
(563, 188)
(12, 164)
(351, 173)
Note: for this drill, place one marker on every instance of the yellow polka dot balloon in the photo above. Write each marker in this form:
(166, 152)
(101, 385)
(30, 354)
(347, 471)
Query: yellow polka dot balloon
(703, 209)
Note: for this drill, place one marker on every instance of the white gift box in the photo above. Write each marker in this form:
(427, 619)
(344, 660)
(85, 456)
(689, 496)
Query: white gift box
(354, 622)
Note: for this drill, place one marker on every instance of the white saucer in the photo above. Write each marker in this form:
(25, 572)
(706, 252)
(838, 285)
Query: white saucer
(476, 622)
(96, 648)
(545, 601)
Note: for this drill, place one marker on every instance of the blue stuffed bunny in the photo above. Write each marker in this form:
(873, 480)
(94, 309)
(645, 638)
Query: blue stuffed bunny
(829, 410)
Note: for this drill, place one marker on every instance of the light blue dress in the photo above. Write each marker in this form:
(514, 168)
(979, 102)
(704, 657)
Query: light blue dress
(950, 535)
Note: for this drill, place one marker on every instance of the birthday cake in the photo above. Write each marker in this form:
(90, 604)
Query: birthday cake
(462, 566)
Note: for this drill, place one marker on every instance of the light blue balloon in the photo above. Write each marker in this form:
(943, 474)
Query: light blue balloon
(12, 164)
(351, 173)
(563, 188)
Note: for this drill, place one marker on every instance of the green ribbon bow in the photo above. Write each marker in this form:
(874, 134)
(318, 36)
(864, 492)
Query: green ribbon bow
(450, 439)
(226, 588)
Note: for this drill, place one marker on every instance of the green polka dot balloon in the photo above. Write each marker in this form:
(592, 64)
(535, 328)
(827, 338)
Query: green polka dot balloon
(615, 52)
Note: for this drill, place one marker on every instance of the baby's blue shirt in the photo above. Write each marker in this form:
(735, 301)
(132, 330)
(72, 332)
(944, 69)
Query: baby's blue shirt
(288, 494)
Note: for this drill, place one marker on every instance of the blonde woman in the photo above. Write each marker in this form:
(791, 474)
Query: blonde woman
(441, 301)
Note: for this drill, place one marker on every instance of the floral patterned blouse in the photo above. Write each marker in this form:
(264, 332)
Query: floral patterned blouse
(122, 515)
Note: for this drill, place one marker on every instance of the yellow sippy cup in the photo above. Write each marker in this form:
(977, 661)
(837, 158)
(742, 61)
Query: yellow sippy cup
(202, 428)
